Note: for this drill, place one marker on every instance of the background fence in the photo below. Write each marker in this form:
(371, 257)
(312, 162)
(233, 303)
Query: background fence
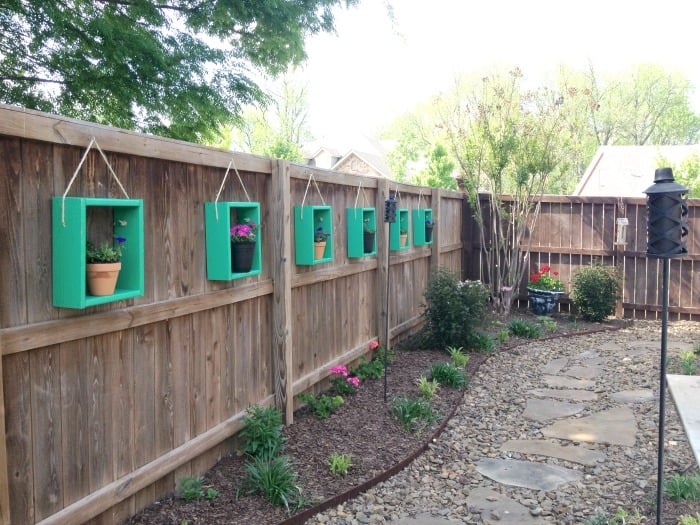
(573, 232)
(104, 409)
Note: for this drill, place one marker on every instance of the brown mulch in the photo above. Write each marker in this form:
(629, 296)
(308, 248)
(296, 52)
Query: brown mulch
(362, 427)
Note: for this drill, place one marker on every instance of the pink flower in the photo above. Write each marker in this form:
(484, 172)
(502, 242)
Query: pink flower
(340, 370)
(354, 381)
(373, 345)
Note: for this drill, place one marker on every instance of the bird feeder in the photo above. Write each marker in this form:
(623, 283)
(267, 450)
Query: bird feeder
(622, 223)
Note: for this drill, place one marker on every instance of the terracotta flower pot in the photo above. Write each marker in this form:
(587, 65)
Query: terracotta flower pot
(319, 249)
(403, 239)
(102, 278)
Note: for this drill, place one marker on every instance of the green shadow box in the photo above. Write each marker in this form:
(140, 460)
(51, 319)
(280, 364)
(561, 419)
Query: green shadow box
(69, 239)
(395, 229)
(307, 219)
(217, 231)
(420, 236)
(357, 219)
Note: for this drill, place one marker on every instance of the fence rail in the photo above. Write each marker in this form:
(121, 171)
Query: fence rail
(106, 408)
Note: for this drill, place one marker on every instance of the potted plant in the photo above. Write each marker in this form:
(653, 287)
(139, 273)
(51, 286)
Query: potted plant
(428, 230)
(103, 264)
(403, 235)
(243, 239)
(368, 236)
(320, 237)
(544, 291)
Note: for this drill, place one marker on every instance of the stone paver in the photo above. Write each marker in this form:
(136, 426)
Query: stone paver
(573, 395)
(528, 474)
(616, 426)
(567, 382)
(584, 372)
(555, 365)
(545, 409)
(634, 396)
(498, 509)
(424, 520)
(543, 447)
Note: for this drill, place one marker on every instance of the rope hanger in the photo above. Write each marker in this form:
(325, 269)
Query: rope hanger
(216, 201)
(311, 178)
(357, 197)
(77, 170)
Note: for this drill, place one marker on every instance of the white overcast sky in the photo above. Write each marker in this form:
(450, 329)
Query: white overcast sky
(373, 70)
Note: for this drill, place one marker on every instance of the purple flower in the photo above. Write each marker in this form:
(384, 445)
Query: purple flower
(120, 240)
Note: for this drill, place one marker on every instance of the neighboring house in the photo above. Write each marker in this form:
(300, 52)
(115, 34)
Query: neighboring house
(626, 171)
(356, 154)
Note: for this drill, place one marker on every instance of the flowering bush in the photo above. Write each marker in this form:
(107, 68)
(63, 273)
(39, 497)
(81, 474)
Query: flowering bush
(546, 280)
(247, 231)
(105, 253)
(374, 345)
(320, 235)
(343, 383)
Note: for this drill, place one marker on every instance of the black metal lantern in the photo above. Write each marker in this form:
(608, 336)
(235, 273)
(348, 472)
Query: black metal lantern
(390, 208)
(667, 226)
(667, 216)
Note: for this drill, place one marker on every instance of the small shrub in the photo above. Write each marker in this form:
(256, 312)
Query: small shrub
(324, 405)
(549, 324)
(453, 309)
(413, 414)
(683, 488)
(595, 290)
(522, 328)
(621, 517)
(275, 479)
(687, 363)
(340, 463)
(262, 432)
(448, 375)
(459, 358)
(342, 383)
(689, 520)
(428, 388)
(481, 342)
(191, 489)
(696, 349)
(503, 336)
(373, 369)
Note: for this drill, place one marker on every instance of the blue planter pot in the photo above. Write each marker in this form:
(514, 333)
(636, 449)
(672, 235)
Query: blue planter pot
(543, 302)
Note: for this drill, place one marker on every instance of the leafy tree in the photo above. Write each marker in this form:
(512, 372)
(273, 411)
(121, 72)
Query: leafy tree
(181, 68)
(687, 173)
(507, 140)
(440, 168)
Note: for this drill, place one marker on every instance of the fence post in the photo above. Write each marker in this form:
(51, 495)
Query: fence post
(4, 481)
(619, 258)
(436, 204)
(281, 273)
(382, 263)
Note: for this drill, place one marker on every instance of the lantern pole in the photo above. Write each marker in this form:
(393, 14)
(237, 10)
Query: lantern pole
(667, 226)
(389, 218)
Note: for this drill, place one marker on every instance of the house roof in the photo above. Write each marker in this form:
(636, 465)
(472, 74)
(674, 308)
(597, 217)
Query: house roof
(376, 162)
(626, 171)
(367, 149)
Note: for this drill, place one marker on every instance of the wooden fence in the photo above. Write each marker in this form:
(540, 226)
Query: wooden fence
(105, 408)
(573, 232)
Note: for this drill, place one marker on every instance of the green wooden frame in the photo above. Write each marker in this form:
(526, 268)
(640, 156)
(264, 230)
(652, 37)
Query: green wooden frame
(69, 240)
(306, 220)
(356, 218)
(218, 238)
(402, 223)
(419, 217)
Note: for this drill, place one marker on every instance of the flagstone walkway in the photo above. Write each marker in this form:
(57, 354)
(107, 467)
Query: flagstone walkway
(550, 432)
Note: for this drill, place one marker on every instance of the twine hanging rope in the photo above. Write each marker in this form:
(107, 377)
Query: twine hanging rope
(77, 170)
(216, 201)
(311, 178)
(420, 196)
(357, 197)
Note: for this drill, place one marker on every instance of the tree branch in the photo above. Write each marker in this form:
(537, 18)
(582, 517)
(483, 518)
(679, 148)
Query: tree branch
(19, 78)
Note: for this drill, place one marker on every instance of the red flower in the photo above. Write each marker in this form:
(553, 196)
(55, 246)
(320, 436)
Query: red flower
(535, 277)
(555, 273)
(545, 269)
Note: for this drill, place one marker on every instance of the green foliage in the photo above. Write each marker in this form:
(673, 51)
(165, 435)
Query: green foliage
(262, 432)
(373, 369)
(447, 374)
(273, 478)
(682, 488)
(413, 414)
(503, 336)
(191, 489)
(522, 328)
(340, 463)
(696, 349)
(459, 358)
(105, 252)
(428, 388)
(156, 67)
(688, 363)
(549, 324)
(453, 309)
(689, 520)
(621, 517)
(439, 171)
(481, 342)
(595, 290)
(324, 405)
